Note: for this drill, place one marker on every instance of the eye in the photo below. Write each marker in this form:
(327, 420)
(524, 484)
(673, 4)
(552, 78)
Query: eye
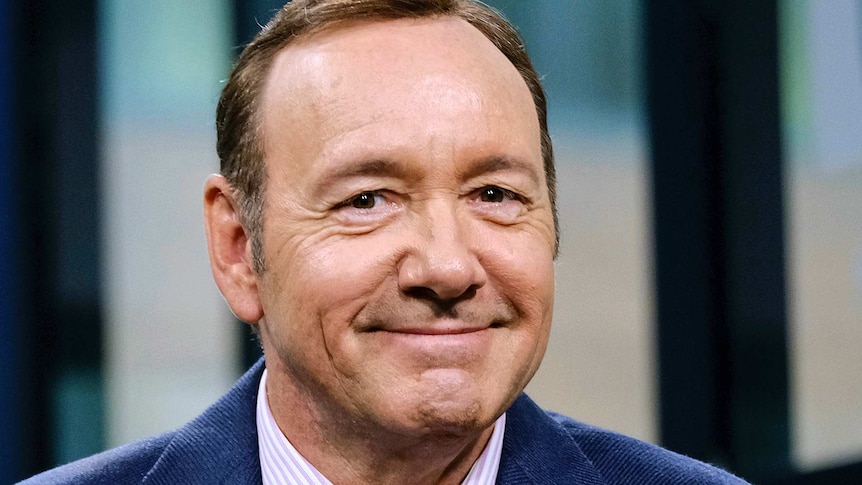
(367, 209)
(498, 205)
(495, 194)
(365, 200)
(370, 199)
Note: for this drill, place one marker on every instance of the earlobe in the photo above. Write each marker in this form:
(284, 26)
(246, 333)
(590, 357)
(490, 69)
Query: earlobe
(230, 251)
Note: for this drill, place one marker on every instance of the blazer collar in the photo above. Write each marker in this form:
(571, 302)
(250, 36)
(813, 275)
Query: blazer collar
(537, 449)
(219, 446)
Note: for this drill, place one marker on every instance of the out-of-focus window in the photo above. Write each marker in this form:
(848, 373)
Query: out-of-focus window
(821, 64)
(171, 346)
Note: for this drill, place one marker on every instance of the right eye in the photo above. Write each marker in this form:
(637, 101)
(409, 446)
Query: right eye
(367, 207)
(365, 200)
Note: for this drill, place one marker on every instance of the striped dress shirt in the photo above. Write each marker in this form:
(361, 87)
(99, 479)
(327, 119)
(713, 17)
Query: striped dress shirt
(281, 463)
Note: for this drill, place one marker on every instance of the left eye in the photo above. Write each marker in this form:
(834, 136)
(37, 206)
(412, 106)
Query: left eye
(494, 194)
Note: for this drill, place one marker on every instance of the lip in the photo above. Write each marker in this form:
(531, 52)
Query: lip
(435, 330)
(434, 346)
(432, 332)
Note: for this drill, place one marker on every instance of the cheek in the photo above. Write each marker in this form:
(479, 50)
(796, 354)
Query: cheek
(523, 259)
(523, 270)
(335, 279)
(314, 294)
(532, 290)
(535, 293)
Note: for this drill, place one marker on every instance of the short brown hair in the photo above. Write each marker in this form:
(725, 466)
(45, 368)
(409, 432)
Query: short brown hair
(239, 146)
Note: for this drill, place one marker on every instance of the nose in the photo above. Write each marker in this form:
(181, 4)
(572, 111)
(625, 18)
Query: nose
(442, 264)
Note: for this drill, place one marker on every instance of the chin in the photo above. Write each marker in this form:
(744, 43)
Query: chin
(451, 419)
(456, 407)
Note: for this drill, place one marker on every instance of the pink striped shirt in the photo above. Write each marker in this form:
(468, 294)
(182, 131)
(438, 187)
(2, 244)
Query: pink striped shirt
(281, 464)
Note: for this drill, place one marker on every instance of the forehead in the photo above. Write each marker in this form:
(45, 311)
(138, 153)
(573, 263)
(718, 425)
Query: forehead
(390, 48)
(413, 73)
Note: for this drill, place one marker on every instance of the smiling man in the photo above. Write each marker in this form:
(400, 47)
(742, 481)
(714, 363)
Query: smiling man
(405, 284)
(385, 220)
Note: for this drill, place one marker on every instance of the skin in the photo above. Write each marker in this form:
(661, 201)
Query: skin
(408, 240)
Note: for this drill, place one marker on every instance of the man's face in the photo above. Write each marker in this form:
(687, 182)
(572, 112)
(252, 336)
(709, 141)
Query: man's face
(408, 234)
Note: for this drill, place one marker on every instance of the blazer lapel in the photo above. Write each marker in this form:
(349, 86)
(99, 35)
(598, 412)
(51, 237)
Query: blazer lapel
(538, 450)
(220, 446)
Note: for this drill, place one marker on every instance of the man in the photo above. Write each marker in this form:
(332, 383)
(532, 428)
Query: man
(385, 220)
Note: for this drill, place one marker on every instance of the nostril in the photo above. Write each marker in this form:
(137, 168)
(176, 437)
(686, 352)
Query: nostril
(469, 292)
(426, 293)
(421, 293)
(442, 306)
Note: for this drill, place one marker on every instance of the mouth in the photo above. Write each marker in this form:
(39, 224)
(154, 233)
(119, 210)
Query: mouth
(435, 343)
(436, 330)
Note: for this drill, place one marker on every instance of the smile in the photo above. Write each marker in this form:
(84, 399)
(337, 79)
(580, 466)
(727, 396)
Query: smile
(444, 345)
(439, 330)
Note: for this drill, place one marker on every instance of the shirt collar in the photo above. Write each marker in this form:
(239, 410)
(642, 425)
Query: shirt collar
(281, 463)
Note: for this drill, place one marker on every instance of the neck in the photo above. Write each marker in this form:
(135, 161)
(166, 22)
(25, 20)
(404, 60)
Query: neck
(348, 449)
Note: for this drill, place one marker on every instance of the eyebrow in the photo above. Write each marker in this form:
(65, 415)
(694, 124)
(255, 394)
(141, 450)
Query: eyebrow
(364, 168)
(500, 164)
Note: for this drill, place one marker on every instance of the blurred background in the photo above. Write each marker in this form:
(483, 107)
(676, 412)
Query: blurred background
(710, 193)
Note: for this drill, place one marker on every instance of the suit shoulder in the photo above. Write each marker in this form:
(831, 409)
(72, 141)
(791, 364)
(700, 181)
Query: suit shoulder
(126, 464)
(621, 459)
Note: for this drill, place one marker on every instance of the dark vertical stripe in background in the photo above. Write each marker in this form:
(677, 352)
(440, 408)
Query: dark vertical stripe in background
(717, 183)
(10, 359)
(51, 300)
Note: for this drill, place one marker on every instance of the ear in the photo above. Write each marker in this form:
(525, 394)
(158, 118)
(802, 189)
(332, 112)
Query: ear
(230, 251)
